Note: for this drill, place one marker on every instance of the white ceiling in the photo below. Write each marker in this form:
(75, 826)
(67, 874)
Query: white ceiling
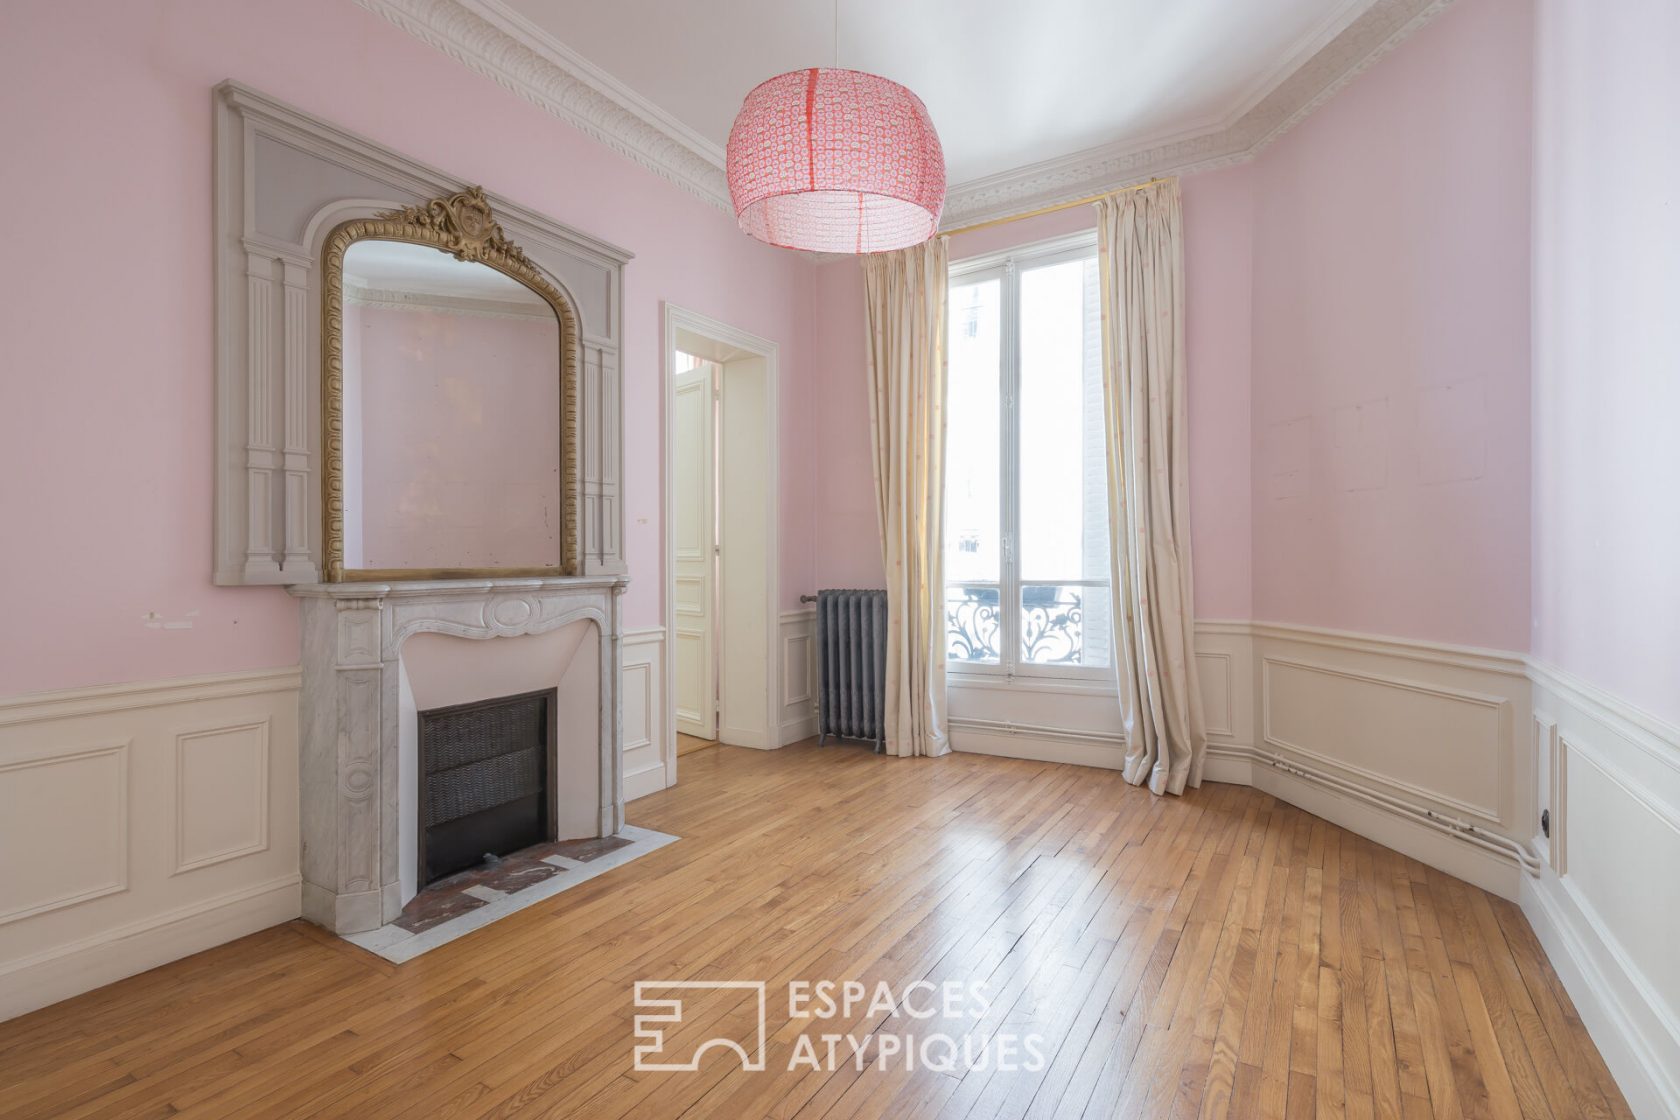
(1008, 83)
(1037, 101)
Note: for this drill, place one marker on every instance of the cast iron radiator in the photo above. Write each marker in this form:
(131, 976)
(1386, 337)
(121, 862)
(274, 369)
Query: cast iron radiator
(852, 665)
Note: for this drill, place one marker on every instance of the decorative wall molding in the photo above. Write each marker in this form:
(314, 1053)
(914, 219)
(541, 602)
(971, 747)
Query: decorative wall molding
(1655, 737)
(284, 181)
(491, 39)
(170, 809)
(107, 698)
(1216, 691)
(1604, 909)
(91, 826)
(1497, 744)
(231, 808)
(650, 746)
(1476, 658)
(797, 641)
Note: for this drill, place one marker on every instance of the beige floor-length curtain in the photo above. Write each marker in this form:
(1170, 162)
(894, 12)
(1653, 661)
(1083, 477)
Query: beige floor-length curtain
(904, 296)
(1141, 263)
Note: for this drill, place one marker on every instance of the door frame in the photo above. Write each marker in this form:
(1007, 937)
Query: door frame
(743, 344)
(708, 378)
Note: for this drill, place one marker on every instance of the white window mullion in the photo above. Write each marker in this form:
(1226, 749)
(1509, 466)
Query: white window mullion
(1010, 383)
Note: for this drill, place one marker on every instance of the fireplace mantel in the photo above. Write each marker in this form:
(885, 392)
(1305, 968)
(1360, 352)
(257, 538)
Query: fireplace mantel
(351, 762)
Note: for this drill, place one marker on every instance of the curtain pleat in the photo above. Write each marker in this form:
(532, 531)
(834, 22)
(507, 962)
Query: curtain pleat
(1141, 264)
(904, 298)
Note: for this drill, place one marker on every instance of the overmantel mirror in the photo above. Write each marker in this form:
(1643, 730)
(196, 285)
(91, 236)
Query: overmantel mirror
(449, 401)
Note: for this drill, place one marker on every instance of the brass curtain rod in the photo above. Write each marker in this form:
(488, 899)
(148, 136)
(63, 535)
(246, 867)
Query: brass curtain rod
(1047, 209)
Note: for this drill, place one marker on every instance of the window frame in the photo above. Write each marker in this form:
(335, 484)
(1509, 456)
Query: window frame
(1007, 267)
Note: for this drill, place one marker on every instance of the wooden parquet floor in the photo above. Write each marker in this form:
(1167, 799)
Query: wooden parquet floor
(1220, 954)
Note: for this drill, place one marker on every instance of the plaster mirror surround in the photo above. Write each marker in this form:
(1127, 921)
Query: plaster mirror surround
(450, 388)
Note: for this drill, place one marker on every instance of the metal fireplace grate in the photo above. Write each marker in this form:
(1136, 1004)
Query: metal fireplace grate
(485, 781)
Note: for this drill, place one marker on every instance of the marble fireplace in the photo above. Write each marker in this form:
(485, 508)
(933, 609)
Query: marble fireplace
(376, 655)
(419, 434)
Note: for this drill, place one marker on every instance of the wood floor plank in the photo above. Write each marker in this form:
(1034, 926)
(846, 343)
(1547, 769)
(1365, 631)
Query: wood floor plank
(1219, 954)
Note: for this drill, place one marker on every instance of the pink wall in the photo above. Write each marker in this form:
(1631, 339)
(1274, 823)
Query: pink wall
(1607, 349)
(1372, 267)
(1390, 344)
(847, 547)
(106, 424)
(460, 439)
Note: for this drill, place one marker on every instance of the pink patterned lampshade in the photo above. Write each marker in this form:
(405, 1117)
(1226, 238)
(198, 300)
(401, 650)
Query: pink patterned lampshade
(836, 161)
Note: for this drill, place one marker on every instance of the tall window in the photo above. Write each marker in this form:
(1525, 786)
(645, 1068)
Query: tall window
(1026, 490)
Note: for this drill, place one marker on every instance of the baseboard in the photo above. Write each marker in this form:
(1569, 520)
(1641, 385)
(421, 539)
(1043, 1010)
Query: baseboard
(1037, 743)
(1412, 829)
(644, 782)
(1616, 1006)
(798, 730)
(756, 738)
(69, 970)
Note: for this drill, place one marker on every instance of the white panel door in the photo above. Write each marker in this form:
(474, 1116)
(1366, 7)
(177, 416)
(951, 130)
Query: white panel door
(694, 531)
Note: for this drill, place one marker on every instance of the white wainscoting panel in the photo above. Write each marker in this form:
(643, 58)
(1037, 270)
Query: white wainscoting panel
(221, 794)
(140, 823)
(798, 646)
(63, 829)
(1607, 909)
(1225, 667)
(1429, 741)
(1428, 724)
(1417, 745)
(649, 745)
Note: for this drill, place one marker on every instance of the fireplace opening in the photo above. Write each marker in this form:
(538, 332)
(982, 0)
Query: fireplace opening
(485, 780)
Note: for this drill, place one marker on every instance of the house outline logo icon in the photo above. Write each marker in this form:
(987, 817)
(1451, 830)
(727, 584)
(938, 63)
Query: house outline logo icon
(650, 1033)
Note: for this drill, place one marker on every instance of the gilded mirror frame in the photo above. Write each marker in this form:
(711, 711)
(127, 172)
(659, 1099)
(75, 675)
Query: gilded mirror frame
(462, 225)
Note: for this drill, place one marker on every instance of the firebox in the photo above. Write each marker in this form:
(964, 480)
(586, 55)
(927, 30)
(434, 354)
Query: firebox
(485, 780)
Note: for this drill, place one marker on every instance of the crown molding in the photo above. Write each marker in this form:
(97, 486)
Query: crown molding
(1381, 27)
(491, 39)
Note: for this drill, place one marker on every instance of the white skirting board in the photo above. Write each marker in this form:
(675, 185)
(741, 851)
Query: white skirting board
(110, 955)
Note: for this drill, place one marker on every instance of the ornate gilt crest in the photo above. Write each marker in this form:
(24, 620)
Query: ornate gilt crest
(463, 225)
